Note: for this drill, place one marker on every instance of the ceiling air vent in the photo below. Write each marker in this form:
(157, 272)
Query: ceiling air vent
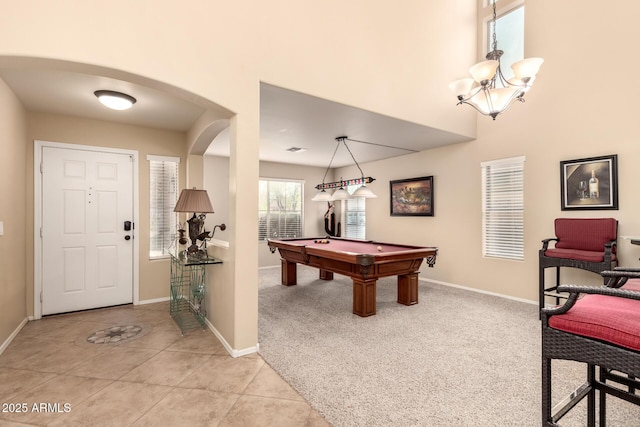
(295, 149)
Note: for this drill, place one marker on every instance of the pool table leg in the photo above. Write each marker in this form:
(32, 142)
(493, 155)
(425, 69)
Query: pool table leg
(364, 297)
(289, 273)
(326, 275)
(408, 288)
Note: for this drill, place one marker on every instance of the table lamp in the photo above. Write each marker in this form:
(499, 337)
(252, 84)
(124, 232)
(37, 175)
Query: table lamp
(196, 201)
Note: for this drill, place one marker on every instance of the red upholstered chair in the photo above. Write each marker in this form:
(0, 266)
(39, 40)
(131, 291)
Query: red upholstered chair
(585, 243)
(601, 329)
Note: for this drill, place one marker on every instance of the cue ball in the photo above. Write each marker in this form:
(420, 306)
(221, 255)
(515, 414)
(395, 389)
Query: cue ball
(379, 248)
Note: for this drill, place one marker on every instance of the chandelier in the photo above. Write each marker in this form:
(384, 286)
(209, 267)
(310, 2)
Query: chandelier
(341, 193)
(494, 94)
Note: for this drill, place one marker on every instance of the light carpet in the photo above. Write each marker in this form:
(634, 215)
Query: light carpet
(458, 358)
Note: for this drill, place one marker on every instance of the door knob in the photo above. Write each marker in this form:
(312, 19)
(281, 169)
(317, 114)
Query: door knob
(127, 237)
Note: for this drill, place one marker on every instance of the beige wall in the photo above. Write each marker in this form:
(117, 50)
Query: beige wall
(13, 200)
(216, 182)
(154, 275)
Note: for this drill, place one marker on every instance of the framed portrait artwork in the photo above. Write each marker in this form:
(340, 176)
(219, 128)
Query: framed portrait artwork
(589, 184)
(412, 197)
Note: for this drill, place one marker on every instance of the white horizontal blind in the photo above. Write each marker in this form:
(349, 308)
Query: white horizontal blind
(353, 215)
(163, 190)
(280, 209)
(503, 208)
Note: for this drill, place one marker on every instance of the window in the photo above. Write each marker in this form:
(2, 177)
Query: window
(510, 37)
(353, 215)
(503, 208)
(280, 209)
(163, 195)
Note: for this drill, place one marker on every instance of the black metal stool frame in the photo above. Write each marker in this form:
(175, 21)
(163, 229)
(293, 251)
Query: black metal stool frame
(617, 367)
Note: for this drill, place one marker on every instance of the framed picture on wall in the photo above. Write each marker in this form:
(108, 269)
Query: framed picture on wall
(412, 197)
(589, 184)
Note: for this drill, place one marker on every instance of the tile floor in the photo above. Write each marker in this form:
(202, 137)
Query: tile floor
(157, 377)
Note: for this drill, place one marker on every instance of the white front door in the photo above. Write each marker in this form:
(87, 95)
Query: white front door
(87, 253)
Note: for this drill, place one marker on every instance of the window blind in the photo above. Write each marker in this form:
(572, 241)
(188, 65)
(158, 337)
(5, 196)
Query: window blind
(163, 195)
(353, 215)
(503, 208)
(280, 209)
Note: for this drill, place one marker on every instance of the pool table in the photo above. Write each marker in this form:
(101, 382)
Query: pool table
(363, 260)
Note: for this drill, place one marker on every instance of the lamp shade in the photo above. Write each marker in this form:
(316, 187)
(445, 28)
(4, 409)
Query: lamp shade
(322, 196)
(192, 200)
(524, 85)
(364, 191)
(498, 100)
(528, 67)
(484, 70)
(461, 87)
(501, 97)
(341, 194)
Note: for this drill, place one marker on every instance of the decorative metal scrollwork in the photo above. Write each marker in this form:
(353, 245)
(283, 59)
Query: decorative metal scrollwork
(365, 270)
(431, 260)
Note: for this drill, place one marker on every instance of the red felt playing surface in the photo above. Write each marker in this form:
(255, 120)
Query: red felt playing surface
(354, 246)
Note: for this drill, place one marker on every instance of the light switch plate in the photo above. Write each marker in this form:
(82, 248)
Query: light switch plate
(1, 228)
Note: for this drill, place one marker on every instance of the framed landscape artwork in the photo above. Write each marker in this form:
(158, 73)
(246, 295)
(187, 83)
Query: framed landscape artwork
(589, 184)
(412, 197)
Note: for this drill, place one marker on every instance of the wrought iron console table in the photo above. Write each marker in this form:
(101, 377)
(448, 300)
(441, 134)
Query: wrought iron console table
(187, 304)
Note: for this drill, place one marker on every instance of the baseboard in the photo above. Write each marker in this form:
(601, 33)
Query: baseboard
(232, 352)
(153, 301)
(219, 243)
(480, 291)
(14, 334)
(268, 267)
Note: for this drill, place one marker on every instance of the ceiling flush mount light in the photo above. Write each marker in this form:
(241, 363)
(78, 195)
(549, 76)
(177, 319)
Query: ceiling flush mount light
(115, 100)
(340, 193)
(492, 93)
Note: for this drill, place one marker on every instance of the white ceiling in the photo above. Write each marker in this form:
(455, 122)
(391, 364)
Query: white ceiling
(63, 92)
(287, 118)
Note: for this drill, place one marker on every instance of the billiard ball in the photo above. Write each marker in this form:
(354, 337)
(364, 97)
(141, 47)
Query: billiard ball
(379, 248)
